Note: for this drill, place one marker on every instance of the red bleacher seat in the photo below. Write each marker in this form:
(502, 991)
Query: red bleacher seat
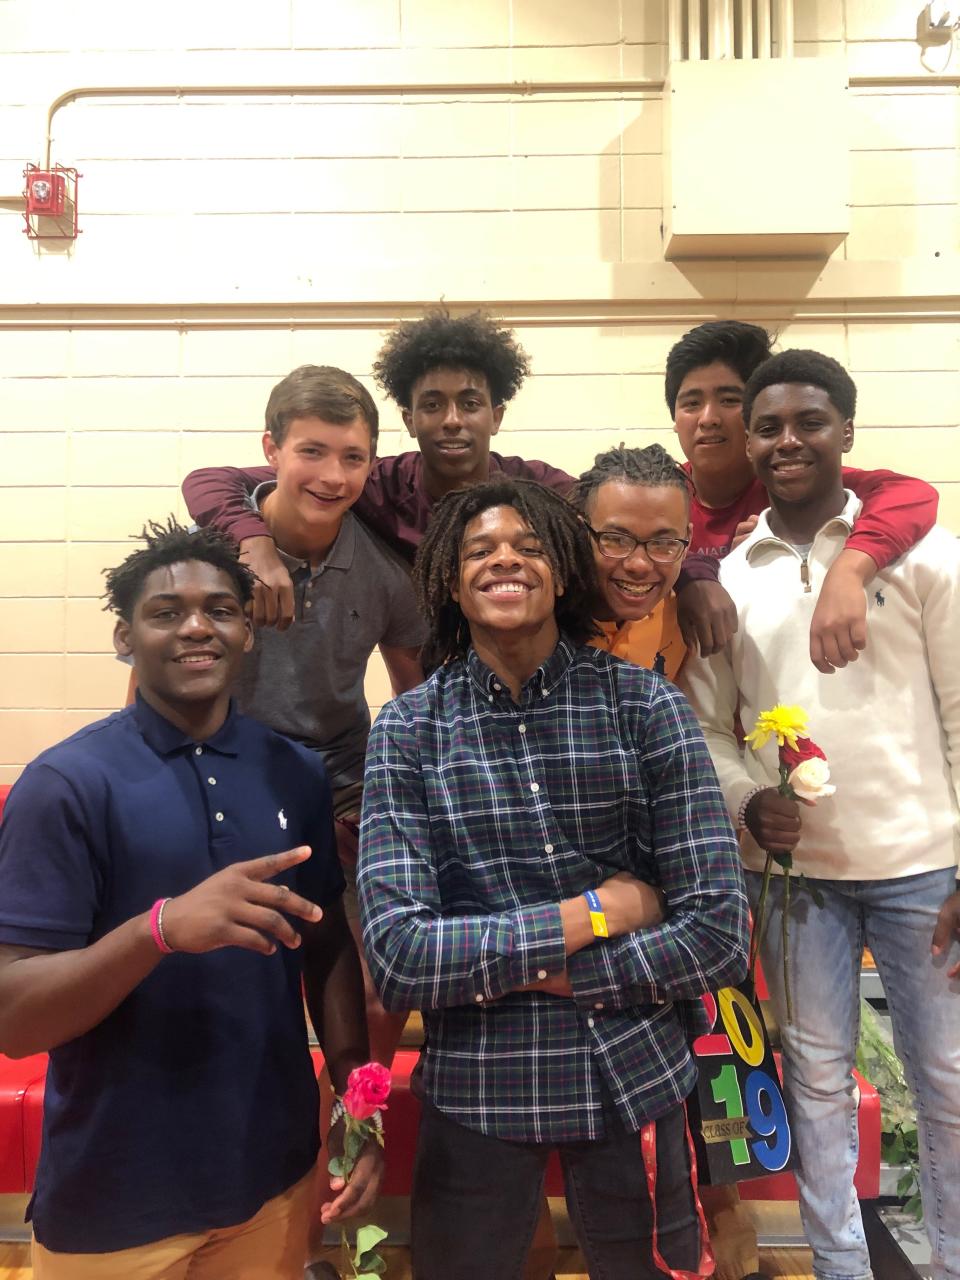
(21, 1108)
(18, 1077)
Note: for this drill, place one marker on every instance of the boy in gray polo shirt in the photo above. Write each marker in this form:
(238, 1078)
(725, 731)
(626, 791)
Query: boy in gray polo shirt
(351, 592)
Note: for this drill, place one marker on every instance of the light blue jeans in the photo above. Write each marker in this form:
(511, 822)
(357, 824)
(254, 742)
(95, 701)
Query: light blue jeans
(895, 919)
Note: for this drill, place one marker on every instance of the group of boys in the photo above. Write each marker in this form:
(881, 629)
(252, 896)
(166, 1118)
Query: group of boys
(549, 867)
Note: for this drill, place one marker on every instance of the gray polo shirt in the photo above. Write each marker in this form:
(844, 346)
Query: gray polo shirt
(307, 682)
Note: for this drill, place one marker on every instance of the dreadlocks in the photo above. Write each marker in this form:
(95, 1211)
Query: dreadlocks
(651, 467)
(554, 521)
(171, 543)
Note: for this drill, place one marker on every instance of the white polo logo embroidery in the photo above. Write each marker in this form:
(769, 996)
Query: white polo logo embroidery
(282, 819)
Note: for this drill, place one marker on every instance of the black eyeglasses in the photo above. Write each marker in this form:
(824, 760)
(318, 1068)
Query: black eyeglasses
(660, 550)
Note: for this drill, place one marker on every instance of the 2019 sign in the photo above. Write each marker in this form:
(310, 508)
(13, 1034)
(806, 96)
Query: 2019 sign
(744, 1129)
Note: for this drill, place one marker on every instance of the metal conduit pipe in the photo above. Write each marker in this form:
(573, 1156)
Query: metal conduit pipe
(523, 88)
(516, 87)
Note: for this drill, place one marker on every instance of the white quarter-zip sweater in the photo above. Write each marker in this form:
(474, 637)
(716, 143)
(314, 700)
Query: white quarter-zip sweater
(888, 723)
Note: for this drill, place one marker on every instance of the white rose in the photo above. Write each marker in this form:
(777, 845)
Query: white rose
(811, 780)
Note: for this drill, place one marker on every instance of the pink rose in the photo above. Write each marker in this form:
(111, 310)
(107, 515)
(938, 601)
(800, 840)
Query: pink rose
(368, 1088)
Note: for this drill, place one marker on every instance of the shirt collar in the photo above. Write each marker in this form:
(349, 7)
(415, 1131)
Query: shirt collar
(763, 534)
(166, 739)
(543, 680)
(340, 555)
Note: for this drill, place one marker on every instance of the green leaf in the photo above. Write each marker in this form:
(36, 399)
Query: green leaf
(894, 1148)
(914, 1208)
(905, 1183)
(368, 1238)
(352, 1145)
(372, 1264)
(338, 1167)
(367, 1275)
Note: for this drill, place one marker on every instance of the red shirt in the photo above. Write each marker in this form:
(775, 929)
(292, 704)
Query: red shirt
(394, 503)
(897, 512)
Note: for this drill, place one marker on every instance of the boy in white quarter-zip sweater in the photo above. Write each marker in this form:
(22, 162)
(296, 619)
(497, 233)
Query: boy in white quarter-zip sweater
(883, 850)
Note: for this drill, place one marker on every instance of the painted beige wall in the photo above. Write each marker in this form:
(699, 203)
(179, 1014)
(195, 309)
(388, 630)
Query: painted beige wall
(227, 239)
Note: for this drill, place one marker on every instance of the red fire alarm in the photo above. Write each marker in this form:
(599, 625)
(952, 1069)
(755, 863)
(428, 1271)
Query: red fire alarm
(51, 202)
(45, 193)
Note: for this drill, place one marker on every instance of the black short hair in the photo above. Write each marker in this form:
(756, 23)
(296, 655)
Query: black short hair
(740, 345)
(555, 522)
(440, 340)
(811, 368)
(320, 391)
(650, 467)
(171, 543)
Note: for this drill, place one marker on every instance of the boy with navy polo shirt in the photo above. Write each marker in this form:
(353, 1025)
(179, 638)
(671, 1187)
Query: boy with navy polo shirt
(167, 877)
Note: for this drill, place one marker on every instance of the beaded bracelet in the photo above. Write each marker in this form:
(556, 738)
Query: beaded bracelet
(742, 811)
(338, 1111)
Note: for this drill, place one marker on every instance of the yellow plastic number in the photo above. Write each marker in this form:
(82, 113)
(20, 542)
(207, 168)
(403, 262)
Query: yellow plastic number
(731, 1002)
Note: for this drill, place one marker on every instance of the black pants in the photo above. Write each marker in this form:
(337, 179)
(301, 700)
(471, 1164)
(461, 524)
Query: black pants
(476, 1200)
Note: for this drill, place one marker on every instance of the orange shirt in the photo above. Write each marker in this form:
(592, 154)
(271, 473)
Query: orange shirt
(654, 642)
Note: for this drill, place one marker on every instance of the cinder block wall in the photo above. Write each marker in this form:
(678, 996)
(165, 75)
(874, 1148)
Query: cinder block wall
(226, 238)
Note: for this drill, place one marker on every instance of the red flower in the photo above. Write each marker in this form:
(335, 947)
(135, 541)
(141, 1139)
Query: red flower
(368, 1088)
(805, 750)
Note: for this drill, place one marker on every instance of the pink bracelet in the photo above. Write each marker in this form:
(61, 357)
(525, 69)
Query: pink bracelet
(156, 926)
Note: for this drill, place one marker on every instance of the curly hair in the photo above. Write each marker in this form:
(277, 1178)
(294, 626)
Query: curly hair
(440, 340)
(171, 543)
(811, 368)
(650, 467)
(555, 522)
(733, 342)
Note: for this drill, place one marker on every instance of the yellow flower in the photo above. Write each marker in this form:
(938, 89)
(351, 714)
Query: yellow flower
(783, 723)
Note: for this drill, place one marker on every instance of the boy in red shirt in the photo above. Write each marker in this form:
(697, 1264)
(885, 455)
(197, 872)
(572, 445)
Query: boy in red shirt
(705, 377)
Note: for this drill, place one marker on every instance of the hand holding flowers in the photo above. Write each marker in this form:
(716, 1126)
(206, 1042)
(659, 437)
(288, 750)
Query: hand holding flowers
(356, 1163)
(772, 816)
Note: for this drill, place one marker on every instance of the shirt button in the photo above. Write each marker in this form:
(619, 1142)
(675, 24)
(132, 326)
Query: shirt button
(218, 816)
(544, 693)
(548, 848)
(308, 604)
(534, 786)
(589, 1022)
(598, 1005)
(198, 751)
(541, 974)
(479, 999)
(522, 728)
(498, 687)
(212, 781)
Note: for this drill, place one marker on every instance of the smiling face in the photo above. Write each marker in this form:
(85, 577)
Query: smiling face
(321, 470)
(453, 420)
(708, 420)
(633, 587)
(187, 636)
(506, 584)
(796, 442)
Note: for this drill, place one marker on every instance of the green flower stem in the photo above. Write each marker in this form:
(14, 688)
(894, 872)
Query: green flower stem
(785, 940)
(759, 920)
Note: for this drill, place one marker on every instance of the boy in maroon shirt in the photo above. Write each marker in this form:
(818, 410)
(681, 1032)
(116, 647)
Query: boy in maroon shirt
(452, 378)
(705, 377)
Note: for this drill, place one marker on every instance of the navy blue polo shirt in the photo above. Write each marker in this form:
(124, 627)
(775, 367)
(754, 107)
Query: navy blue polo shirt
(195, 1101)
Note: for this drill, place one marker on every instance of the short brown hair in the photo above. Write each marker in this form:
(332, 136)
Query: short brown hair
(320, 391)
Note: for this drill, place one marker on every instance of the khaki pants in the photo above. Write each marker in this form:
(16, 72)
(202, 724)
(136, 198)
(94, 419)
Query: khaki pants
(272, 1245)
